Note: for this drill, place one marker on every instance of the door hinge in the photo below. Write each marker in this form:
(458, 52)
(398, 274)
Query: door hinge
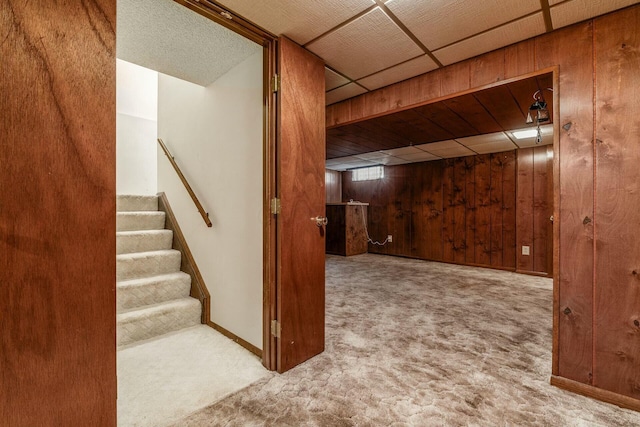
(275, 206)
(275, 328)
(275, 83)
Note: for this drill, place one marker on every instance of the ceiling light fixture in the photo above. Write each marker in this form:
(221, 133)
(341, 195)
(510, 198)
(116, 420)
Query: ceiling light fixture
(524, 134)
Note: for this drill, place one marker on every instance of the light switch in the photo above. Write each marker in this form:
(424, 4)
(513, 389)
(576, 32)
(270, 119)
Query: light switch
(525, 250)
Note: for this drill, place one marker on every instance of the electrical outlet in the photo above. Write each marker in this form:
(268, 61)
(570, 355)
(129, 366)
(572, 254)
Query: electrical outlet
(389, 238)
(525, 250)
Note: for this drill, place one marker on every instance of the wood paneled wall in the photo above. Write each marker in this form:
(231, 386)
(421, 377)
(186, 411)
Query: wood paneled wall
(333, 186)
(459, 210)
(57, 221)
(596, 260)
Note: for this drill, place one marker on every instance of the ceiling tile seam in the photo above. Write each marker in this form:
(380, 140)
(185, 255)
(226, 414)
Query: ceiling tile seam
(340, 74)
(390, 67)
(546, 13)
(435, 51)
(408, 32)
(342, 24)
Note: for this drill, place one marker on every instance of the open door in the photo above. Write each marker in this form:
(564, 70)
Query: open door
(301, 153)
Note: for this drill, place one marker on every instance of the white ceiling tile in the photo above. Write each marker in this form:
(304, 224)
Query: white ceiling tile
(402, 151)
(400, 72)
(338, 167)
(494, 147)
(472, 141)
(368, 44)
(578, 10)
(458, 151)
(418, 157)
(438, 145)
(439, 23)
(360, 164)
(344, 92)
(333, 79)
(496, 38)
(547, 137)
(373, 156)
(395, 161)
(301, 21)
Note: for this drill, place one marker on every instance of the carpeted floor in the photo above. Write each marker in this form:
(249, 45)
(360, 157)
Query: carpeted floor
(166, 378)
(414, 343)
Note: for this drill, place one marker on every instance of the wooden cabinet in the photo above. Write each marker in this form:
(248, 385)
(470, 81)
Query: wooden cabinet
(346, 233)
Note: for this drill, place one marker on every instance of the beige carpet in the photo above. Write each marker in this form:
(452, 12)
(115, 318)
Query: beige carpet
(414, 343)
(166, 378)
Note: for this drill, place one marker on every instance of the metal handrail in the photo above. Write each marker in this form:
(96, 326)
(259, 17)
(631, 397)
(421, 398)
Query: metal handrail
(205, 215)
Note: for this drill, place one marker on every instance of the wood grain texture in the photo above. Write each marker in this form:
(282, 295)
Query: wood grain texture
(524, 221)
(617, 292)
(57, 222)
(509, 210)
(301, 189)
(333, 184)
(482, 238)
(572, 50)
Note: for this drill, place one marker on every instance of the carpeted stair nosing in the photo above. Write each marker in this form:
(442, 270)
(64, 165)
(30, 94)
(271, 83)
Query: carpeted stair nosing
(140, 220)
(135, 293)
(129, 202)
(143, 241)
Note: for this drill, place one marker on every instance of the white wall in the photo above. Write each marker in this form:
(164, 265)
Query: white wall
(215, 134)
(136, 129)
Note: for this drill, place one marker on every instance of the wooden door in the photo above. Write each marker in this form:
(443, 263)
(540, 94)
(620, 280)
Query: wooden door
(301, 158)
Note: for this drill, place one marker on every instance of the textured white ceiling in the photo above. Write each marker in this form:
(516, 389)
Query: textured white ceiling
(167, 37)
(578, 10)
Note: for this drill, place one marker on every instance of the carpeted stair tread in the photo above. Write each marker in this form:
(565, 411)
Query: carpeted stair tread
(129, 202)
(147, 264)
(143, 241)
(140, 220)
(135, 293)
(158, 319)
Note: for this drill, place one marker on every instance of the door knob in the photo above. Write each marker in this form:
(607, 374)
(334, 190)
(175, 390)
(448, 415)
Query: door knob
(320, 221)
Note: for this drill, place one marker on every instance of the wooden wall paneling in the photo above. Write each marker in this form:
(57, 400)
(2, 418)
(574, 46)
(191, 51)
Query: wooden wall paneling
(459, 210)
(541, 207)
(402, 213)
(551, 211)
(425, 87)
(571, 49)
(335, 239)
(435, 215)
(470, 208)
(617, 291)
(448, 219)
(57, 222)
(487, 68)
(524, 219)
(419, 174)
(496, 209)
(333, 185)
(356, 108)
(508, 209)
(519, 59)
(455, 78)
(482, 240)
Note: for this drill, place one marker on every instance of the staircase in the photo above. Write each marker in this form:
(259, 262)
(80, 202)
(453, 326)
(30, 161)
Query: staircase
(152, 294)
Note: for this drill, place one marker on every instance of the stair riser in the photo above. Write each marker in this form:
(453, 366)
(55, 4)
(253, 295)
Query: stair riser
(138, 221)
(143, 242)
(147, 266)
(157, 324)
(130, 297)
(125, 203)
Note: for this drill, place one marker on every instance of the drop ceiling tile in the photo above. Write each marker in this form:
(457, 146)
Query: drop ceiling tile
(373, 156)
(366, 45)
(391, 161)
(578, 10)
(360, 164)
(301, 21)
(338, 167)
(400, 72)
(333, 79)
(458, 151)
(516, 31)
(402, 151)
(344, 92)
(494, 147)
(419, 157)
(483, 139)
(440, 23)
(438, 145)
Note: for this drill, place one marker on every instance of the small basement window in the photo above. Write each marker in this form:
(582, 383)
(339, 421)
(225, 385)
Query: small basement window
(368, 173)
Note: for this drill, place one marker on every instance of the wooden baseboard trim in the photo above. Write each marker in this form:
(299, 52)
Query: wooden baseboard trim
(596, 393)
(252, 348)
(533, 273)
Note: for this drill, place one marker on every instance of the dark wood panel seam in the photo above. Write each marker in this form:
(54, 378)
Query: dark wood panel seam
(595, 198)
